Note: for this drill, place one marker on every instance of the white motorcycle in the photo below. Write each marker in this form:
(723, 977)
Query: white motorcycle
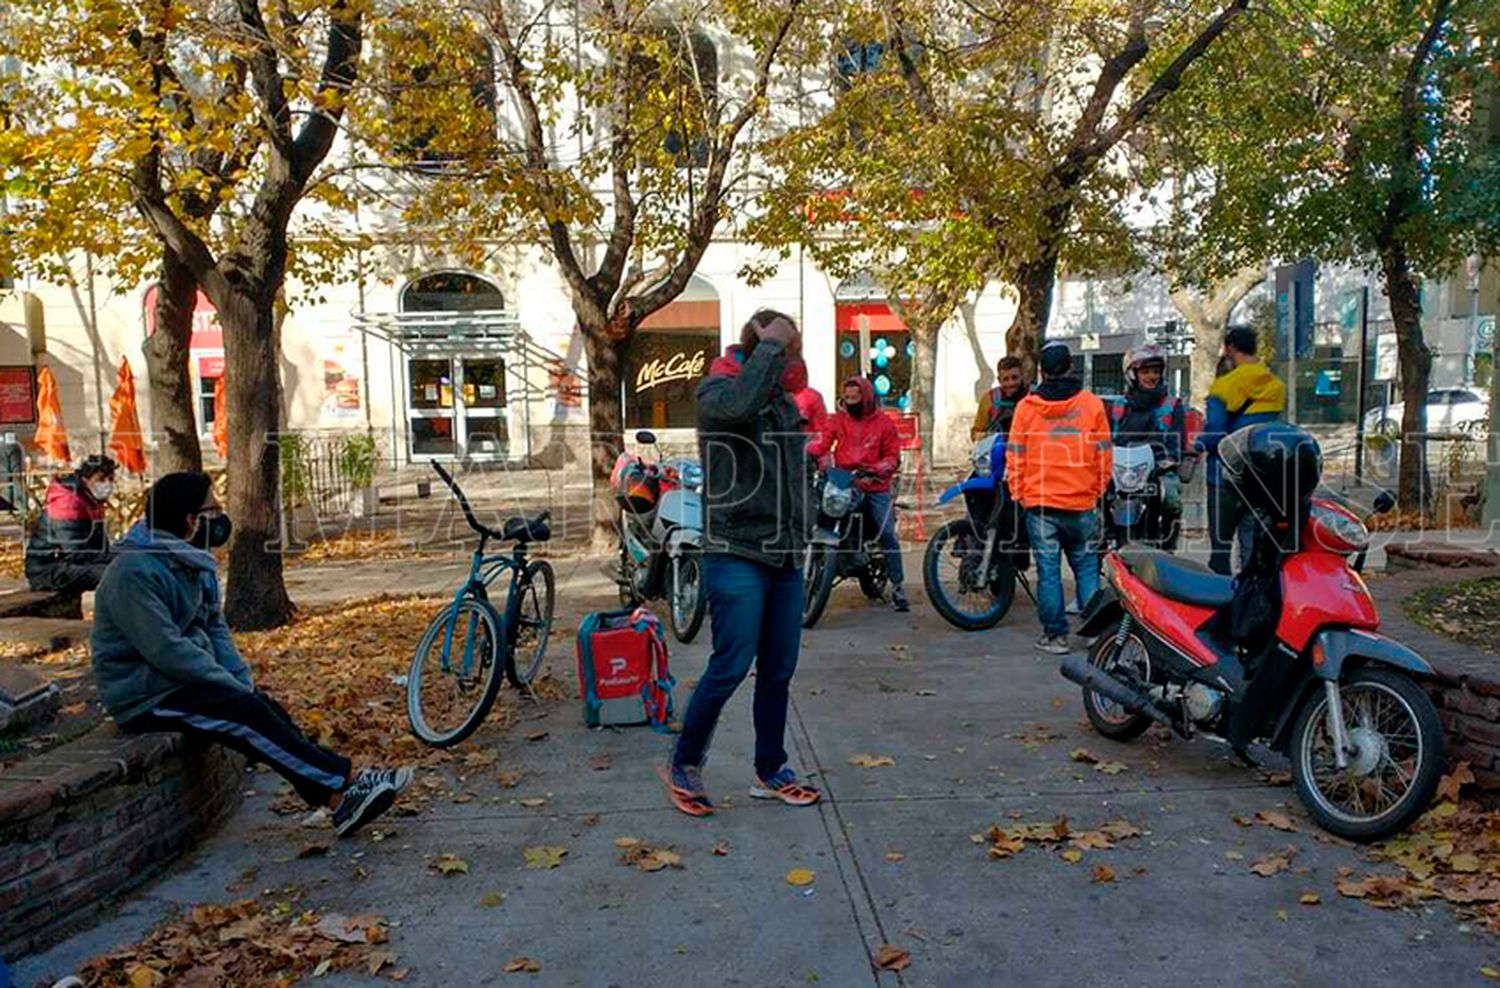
(661, 536)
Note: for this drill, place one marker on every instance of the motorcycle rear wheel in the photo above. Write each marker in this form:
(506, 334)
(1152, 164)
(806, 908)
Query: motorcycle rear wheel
(1106, 716)
(1383, 709)
(688, 598)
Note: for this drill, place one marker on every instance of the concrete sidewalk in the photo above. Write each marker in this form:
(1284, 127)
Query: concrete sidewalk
(980, 730)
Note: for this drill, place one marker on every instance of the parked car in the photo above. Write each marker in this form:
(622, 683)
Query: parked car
(1448, 410)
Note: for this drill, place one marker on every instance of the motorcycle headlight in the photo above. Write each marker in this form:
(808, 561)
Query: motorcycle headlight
(1337, 530)
(692, 475)
(982, 455)
(837, 500)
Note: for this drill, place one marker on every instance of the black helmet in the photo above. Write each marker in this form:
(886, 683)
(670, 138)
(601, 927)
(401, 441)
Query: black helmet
(1274, 466)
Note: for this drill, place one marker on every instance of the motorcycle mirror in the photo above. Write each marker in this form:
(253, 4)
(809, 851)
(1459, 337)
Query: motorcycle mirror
(1384, 503)
(645, 437)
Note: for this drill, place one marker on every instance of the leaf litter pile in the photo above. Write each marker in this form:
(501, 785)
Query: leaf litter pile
(1059, 835)
(247, 944)
(1451, 853)
(1468, 612)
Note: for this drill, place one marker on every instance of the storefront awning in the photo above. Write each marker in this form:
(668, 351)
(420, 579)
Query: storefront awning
(435, 332)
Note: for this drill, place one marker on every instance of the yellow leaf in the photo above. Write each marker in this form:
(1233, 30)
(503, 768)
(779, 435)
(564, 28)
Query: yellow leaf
(449, 864)
(142, 976)
(521, 965)
(1464, 864)
(543, 858)
(801, 876)
(492, 899)
(1072, 855)
(1310, 898)
(871, 761)
(1490, 973)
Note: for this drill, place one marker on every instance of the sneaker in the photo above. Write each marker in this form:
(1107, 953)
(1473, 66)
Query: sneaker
(1054, 644)
(365, 799)
(397, 778)
(899, 602)
(685, 789)
(783, 785)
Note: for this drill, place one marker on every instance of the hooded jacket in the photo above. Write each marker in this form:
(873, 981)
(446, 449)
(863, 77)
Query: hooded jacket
(869, 442)
(68, 535)
(808, 400)
(158, 627)
(1247, 395)
(1059, 454)
(756, 487)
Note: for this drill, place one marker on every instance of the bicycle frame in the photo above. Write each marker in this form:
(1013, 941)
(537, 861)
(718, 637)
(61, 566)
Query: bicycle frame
(484, 571)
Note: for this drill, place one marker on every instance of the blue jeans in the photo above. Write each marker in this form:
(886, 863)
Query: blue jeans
(1055, 534)
(880, 508)
(757, 619)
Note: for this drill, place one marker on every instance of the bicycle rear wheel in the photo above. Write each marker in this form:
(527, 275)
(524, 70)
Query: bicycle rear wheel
(447, 700)
(533, 617)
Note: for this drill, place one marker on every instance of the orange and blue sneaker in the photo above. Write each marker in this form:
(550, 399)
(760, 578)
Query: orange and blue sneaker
(784, 785)
(685, 788)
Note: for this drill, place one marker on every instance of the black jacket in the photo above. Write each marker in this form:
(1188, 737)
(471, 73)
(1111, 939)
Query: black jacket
(69, 546)
(757, 488)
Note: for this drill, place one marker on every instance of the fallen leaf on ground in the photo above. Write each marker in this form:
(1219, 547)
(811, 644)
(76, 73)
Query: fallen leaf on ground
(1277, 819)
(532, 802)
(521, 965)
(800, 876)
(492, 899)
(645, 857)
(892, 958)
(1309, 898)
(314, 850)
(1449, 785)
(721, 848)
(1084, 755)
(378, 960)
(1091, 840)
(1272, 864)
(601, 762)
(73, 709)
(1490, 973)
(543, 857)
(1111, 768)
(1072, 855)
(871, 761)
(894, 856)
(1102, 875)
(536, 735)
(509, 780)
(449, 864)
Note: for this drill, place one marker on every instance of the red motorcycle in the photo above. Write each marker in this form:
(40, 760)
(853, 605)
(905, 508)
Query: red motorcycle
(1344, 704)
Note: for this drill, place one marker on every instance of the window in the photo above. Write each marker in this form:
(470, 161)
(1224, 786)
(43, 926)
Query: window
(1107, 375)
(431, 383)
(206, 402)
(484, 382)
(451, 291)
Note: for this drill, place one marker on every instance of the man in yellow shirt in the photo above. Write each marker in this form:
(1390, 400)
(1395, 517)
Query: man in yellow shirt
(1245, 395)
(998, 406)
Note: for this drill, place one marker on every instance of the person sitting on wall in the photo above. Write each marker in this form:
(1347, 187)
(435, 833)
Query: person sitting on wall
(69, 547)
(164, 659)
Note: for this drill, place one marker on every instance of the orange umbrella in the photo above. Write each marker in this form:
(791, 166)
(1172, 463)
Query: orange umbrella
(221, 420)
(125, 434)
(51, 438)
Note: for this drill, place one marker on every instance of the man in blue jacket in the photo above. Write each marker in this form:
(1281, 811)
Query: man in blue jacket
(1246, 394)
(164, 659)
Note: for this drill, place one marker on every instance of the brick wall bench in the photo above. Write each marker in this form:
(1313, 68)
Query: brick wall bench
(91, 819)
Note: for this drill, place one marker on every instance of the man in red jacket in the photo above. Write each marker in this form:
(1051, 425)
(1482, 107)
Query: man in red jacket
(862, 437)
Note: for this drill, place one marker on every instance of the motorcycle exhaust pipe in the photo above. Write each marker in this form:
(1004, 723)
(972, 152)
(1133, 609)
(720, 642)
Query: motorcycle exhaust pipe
(1089, 676)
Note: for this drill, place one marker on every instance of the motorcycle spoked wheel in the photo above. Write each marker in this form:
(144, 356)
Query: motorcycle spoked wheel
(1398, 741)
(688, 598)
(958, 539)
(874, 579)
(1107, 717)
(820, 568)
(628, 596)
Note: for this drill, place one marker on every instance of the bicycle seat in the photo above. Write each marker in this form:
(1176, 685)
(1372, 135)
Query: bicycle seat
(1178, 579)
(522, 529)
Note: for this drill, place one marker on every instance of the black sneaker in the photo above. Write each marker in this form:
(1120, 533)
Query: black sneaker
(367, 797)
(399, 778)
(899, 602)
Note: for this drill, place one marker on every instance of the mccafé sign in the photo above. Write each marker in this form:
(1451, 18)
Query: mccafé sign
(678, 367)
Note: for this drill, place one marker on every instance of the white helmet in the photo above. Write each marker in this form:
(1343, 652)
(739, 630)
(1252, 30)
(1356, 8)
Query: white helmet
(1146, 353)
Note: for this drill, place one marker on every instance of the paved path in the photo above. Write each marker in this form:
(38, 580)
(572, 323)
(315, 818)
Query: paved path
(980, 730)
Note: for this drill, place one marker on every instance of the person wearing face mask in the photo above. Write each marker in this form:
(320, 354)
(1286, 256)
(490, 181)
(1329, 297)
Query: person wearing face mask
(1147, 414)
(164, 659)
(69, 548)
(860, 437)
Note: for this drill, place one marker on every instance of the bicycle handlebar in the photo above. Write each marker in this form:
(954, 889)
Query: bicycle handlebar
(463, 502)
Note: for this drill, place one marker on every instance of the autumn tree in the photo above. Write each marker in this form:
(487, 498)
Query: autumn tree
(625, 153)
(196, 111)
(1347, 131)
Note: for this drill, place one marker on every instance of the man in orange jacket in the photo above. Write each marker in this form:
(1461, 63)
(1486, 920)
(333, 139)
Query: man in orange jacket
(1058, 464)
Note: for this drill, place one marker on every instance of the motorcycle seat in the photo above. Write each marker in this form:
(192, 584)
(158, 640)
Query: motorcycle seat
(522, 529)
(1178, 579)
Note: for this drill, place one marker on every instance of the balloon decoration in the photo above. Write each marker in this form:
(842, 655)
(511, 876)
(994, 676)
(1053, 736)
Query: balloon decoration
(905, 403)
(881, 352)
(846, 349)
(911, 348)
(882, 385)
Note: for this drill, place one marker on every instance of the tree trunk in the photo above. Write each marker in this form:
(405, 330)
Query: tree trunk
(606, 433)
(924, 378)
(1416, 368)
(1033, 284)
(1208, 315)
(174, 419)
(256, 596)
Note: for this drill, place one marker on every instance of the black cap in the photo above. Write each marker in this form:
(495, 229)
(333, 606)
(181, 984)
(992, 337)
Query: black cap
(1056, 358)
(1241, 339)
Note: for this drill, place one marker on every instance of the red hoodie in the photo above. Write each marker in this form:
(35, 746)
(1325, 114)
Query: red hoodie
(869, 442)
(808, 401)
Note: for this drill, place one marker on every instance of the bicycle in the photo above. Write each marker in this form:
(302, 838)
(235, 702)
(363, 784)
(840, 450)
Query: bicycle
(445, 682)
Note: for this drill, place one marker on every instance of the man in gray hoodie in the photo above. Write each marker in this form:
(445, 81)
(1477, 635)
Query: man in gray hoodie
(164, 659)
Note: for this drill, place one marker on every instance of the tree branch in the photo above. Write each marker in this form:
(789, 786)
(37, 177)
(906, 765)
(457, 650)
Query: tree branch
(340, 66)
(921, 93)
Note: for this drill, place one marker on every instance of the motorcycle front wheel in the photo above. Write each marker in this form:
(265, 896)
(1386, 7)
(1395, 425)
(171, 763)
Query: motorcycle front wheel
(628, 596)
(688, 598)
(957, 590)
(818, 571)
(1393, 770)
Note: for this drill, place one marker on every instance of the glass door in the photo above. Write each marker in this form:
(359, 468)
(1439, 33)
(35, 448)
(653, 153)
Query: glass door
(457, 407)
(430, 400)
(486, 425)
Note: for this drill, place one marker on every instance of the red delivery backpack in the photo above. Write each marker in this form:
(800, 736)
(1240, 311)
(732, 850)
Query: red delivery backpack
(622, 670)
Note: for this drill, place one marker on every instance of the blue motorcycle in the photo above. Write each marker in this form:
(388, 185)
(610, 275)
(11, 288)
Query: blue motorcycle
(973, 563)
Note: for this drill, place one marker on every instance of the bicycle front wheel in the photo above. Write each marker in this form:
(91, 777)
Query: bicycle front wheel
(533, 616)
(454, 674)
